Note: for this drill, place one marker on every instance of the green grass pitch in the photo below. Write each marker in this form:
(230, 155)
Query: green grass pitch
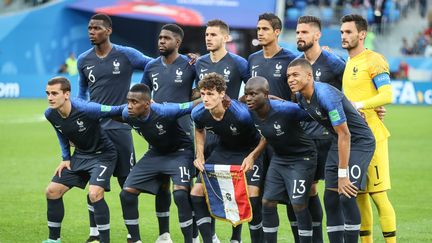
(29, 153)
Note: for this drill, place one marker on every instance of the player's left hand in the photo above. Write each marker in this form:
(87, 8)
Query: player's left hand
(247, 164)
(193, 58)
(199, 164)
(381, 112)
(346, 187)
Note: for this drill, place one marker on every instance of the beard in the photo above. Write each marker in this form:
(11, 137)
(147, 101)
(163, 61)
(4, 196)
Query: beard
(166, 52)
(304, 47)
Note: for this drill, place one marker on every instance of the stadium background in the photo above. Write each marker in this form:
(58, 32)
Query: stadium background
(37, 36)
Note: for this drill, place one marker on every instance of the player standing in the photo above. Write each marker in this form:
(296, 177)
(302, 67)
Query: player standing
(366, 82)
(105, 72)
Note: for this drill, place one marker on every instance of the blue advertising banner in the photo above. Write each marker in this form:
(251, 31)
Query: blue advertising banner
(412, 93)
(237, 13)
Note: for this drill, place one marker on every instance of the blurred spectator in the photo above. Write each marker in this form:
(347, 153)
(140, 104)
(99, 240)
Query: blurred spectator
(406, 49)
(428, 49)
(71, 64)
(63, 69)
(423, 7)
(420, 44)
(402, 72)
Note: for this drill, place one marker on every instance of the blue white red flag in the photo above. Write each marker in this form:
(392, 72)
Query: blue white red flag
(226, 193)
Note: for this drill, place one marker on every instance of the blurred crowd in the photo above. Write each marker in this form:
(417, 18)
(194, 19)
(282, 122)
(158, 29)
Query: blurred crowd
(421, 45)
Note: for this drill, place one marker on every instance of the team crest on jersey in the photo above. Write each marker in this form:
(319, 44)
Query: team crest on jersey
(354, 73)
(179, 74)
(160, 129)
(116, 67)
(278, 69)
(317, 75)
(81, 127)
(278, 129)
(233, 129)
(226, 75)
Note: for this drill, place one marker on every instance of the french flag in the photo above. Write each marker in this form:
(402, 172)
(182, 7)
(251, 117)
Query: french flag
(226, 193)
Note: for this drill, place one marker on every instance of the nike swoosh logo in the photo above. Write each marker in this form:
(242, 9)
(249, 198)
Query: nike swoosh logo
(297, 196)
(97, 179)
(203, 70)
(376, 184)
(254, 66)
(254, 179)
(90, 67)
(154, 75)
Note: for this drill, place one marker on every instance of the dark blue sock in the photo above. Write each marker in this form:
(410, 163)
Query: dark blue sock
(270, 223)
(255, 225)
(129, 203)
(352, 217)
(162, 205)
(181, 199)
(102, 219)
(55, 214)
(335, 218)
(304, 222)
(293, 222)
(316, 212)
(203, 218)
(90, 207)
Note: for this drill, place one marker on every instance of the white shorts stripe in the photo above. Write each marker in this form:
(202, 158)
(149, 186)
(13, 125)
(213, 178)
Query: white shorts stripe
(270, 230)
(103, 227)
(54, 224)
(335, 228)
(131, 221)
(203, 221)
(186, 223)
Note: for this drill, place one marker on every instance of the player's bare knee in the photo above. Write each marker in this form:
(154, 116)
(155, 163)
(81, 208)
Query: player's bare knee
(55, 191)
(254, 191)
(197, 190)
(131, 190)
(96, 193)
(178, 187)
(314, 189)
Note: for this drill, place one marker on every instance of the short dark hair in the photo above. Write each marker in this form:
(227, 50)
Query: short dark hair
(64, 83)
(301, 62)
(218, 23)
(105, 18)
(360, 22)
(141, 88)
(213, 81)
(177, 30)
(274, 20)
(309, 19)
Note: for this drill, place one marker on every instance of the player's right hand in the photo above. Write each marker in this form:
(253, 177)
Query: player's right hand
(199, 164)
(346, 187)
(61, 166)
(381, 112)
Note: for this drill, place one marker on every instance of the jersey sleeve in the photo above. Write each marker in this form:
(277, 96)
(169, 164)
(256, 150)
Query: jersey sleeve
(63, 141)
(331, 101)
(138, 60)
(243, 68)
(197, 78)
(125, 114)
(175, 109)
(97, 111)
(379, 73)
(241, 111)
(82, 81)
(196, 115)
(292, 110)
(146, 77)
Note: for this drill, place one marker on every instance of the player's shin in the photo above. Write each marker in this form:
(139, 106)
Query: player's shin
(255, 225)
(270, 221)
(181, 199)
(365, 208)
(293, 222)
(93, 228)
(387, 216)
(316, 212)
(203, 218)
(129, 203)
(102, 218)
(352, 219)
(335, 218)
(55, 214)
(304, 221)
